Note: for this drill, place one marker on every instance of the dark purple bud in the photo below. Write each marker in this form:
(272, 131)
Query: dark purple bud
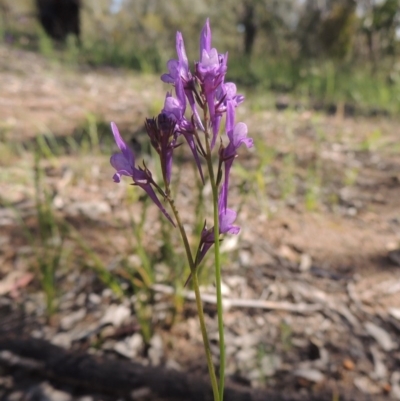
(162, 133)
(124, 164)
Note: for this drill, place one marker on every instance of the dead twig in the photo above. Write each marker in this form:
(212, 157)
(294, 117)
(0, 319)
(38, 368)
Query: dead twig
(242, 303)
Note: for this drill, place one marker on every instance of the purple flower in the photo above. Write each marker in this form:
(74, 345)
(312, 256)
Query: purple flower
(210, 72)
(226, 219)
(124, 164)
(205, 38)
(237, 135)
(175, 109)
(178, 68)
(226, 216)
(179, 71)
(224, 94)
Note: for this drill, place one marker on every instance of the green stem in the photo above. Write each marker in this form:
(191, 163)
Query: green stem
(218, 280)
(199, 304)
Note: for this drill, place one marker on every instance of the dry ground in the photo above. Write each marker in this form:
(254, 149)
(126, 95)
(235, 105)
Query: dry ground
(317, 261)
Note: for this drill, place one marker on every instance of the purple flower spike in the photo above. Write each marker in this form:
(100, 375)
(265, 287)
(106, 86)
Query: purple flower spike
(210, 73)
(175, 109)
(179, 71)
(237, 135)
(124, 163)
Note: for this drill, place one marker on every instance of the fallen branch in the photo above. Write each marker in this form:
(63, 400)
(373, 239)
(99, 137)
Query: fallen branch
(116, 377)
(241, 303)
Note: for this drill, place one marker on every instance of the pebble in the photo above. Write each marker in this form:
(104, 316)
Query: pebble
(116, 315)
(395, 385)
(16, 396)
(69, 321)
(246, 355)
(348, 364)
(63, 340)
(247, 340)
(130, 347)
(91, 209)
(394, 312)
(381, 336)
(94, 298)
(172, 364)
(312, 375)
(45, 392)
(366, 385)
(380, 372)
(156, 350)
(305, 262)
(270, 364)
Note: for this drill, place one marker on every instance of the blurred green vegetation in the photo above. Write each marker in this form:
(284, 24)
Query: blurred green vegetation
(324, 55)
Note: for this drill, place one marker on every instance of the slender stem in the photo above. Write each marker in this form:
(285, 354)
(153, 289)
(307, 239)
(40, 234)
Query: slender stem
(218, 282)
(199, 304)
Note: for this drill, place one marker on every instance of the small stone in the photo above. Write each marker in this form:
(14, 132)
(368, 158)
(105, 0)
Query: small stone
(16, 396)
(247, 354)
(311, 375)
(6, 381)
(247, 340)
(305, 262)
(348, 364)
(172, 364)
(45, 392)
(380, 371)
(116, 315)
(94, 298)
(395, 385)
(245, 258)
(270, 364)
(80, 300)
(130, 347)
(63, 340)
(58, 202)
(156, 350)
(122, 348)
(381, 336)
(91, 209)
(289, 253)
(69, 321)
(140, 393)
(8, 217)
(387, 388)
(366, 385)
(394, 312)
(83, 332)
